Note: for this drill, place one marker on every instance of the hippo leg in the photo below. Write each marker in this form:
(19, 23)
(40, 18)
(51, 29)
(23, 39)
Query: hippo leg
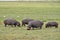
(5, 25)
(40, 27)
(23, 24)
(56, 26)
(32, 28)
(11, 25)
(47, 26)
(19, 26)
(15, 25)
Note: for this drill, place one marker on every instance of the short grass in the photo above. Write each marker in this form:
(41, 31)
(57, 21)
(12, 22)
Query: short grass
(35, 10)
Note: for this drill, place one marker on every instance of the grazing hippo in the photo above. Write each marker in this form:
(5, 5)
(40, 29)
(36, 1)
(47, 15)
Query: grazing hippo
(52, 24)
(11, 22)
(26, 21)
(34, 24)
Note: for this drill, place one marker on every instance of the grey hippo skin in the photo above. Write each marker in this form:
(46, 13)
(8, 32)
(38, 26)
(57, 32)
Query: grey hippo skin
(11, 22)
(35, 24)
(51, 24)
(26, 21)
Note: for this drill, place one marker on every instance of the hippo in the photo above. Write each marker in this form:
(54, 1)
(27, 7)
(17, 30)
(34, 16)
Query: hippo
(11, 22)
(34, 24)
(26, 21)
(51, 24)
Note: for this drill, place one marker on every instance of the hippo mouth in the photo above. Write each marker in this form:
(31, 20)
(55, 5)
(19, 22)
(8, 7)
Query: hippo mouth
(28, 28)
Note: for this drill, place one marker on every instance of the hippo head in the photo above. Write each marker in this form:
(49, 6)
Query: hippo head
(28, 28)
(18, 24)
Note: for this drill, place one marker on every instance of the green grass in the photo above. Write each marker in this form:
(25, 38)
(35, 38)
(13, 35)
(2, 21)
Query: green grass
(16, 33)
(45, 11)
(35, 10)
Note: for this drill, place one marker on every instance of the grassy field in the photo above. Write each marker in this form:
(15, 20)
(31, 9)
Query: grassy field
(35, 10)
